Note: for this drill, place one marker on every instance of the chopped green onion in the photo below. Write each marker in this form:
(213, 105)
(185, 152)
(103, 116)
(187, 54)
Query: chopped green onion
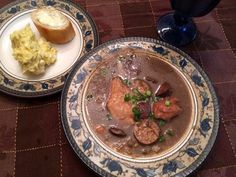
(170, 132)
(136, 98)
(161, 139)
(136, 113)
(108, 116)
(161, 123)
(151, 116)
(121, 58)
(136, 91)
(155, 99)
(103, 71)
(127, 97)
(89, 97)
(148, 93)
(141, 98)
(133, 101)
(126, 82)
(167, 103)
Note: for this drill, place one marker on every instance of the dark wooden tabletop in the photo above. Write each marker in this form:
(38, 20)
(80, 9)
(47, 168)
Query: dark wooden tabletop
(32, 141)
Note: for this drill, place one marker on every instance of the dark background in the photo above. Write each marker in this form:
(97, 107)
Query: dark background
(32, 141)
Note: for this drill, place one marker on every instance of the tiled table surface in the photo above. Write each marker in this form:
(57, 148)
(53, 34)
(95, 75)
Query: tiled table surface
(32, 141)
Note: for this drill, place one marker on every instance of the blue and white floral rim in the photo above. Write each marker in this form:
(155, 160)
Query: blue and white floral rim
(98, 158)
(24, 88)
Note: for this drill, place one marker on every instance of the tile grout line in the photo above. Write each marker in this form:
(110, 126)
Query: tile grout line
(227, 166)
(123, 28)
(222, 28)
(234, 119)
(211, 20)
(14, 170)
(60, 137)
(34, 148)
(112, 3)
(227, 133)
(210, 50)
(153, 14)
(200, 57)
(38, 106)
(128, 28)
(158, 14)
(28, 107)
(225, 8)
(30, 149)
(118, 15)
(97, 5)
(226, 82)
(197, 50)
(8, 109)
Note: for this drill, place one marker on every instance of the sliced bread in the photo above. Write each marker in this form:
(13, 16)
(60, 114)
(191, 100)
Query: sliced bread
(53, 25)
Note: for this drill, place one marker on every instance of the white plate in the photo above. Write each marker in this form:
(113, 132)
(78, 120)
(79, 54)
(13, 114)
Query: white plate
(17, 16)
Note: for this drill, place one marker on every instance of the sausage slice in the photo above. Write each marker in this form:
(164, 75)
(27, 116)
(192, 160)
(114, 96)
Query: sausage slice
(163, 89)
(145, 109)
(146, 132)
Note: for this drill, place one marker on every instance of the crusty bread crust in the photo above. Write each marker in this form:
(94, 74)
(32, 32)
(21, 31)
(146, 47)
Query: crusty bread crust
(60, 35)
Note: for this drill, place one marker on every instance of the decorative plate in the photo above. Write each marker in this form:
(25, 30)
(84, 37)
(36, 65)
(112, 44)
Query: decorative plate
(16, 16)
(181, 161)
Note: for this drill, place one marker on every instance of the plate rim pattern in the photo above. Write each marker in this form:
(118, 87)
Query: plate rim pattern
(93, 165)
(28, 89)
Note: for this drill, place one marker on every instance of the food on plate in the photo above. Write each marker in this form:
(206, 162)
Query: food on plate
(117, 131)
(166, 108)
(146, 131)
(33, 54)
(137, 104)
(163, 89)
(117, 106)
(53, 25)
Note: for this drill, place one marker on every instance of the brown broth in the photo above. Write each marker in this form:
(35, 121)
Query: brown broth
(97, 113)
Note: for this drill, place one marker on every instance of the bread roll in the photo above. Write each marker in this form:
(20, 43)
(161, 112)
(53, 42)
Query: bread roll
(53, 25)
